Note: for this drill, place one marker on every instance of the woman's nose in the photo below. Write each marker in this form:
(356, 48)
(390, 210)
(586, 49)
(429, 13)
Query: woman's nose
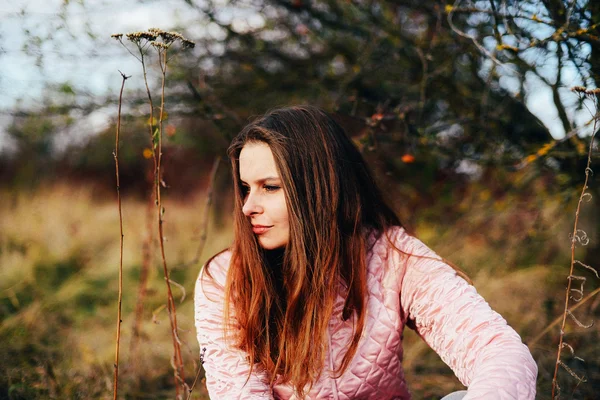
(251, 205)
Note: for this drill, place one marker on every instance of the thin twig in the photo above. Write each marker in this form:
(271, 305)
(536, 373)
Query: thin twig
(552, 144)
(119, 320)
(540, 335)
(473, 39)
(191, 389)
(573, 243)
(178, 361)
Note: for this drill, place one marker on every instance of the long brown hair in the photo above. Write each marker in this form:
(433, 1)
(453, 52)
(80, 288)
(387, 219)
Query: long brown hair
(333, 203)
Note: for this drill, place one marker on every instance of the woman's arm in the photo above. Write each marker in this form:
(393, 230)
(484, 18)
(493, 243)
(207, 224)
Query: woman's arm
(484, 352)
(226, 367)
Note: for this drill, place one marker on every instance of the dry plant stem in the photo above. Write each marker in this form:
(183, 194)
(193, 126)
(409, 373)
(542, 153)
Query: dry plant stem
(573, 242)
(156, 147)
(178, 361)
(143, 40)
(540, 335)
(119, 321)
(151, 122)
(191, 389)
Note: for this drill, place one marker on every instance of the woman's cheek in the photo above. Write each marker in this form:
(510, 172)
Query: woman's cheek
(282, 209)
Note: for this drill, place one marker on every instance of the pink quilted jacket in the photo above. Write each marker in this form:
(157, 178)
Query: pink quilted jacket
(484, 352)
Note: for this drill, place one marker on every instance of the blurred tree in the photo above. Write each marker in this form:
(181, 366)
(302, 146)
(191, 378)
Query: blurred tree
(33, 136)
(451, 85)
(454, 77)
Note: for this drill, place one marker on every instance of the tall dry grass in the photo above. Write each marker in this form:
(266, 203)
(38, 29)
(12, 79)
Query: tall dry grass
(58, 285)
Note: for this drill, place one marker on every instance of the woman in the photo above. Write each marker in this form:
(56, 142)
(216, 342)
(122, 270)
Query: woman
(311, 299)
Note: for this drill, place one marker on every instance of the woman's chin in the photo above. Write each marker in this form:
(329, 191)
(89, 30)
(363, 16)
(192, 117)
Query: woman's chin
(267, 244)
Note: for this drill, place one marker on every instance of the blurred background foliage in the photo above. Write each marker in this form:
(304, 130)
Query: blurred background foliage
(436, 94)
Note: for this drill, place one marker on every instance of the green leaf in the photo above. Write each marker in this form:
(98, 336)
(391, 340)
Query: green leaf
(66, 88)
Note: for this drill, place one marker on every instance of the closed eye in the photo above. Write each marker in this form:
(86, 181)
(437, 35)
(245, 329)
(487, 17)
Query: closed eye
(272, 188)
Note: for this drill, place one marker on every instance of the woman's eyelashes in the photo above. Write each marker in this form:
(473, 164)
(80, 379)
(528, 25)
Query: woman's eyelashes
(271, 188)
(267, 188)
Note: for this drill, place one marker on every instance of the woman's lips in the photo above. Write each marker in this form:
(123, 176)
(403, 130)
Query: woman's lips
(260, 229)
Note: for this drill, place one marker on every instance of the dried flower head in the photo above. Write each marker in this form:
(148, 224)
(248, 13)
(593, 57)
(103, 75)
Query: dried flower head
(158, 38)
(169, 37)
(160, 45)
(187, 44)
(137, 37)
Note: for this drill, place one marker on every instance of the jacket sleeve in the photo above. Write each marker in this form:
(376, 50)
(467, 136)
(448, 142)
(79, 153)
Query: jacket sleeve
(226, 368)
(484, 352)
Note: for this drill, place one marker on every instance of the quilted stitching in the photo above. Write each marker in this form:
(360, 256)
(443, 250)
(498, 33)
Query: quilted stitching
(484, 352)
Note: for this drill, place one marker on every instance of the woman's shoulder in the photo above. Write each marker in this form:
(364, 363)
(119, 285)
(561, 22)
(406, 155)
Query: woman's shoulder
(386, 251)
(394, 237)
(216, 267)
(399, 239)
(221, 259)
(394, 248)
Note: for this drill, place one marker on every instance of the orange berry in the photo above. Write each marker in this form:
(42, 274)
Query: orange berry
(408, 158)
(377, 117)
(171, 130)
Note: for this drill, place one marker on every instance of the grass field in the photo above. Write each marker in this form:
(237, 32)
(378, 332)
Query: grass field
(59, 257)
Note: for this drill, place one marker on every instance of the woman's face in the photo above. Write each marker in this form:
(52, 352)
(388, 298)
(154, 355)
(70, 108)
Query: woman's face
(264, 201)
